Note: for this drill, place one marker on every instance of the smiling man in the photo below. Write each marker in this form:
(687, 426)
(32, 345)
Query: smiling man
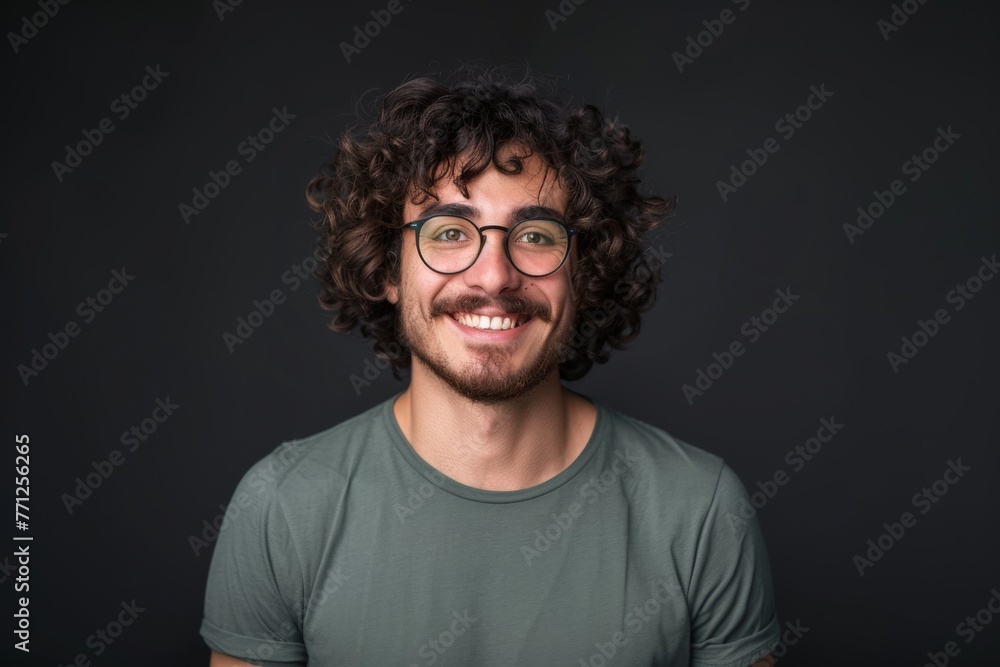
(490, 240)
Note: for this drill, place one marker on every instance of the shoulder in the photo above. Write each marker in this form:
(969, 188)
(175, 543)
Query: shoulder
(670, 470)
(669, 456)
(299, 468)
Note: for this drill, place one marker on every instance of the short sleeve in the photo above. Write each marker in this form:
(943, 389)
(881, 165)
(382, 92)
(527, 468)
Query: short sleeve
(254, 594)
(733, 618)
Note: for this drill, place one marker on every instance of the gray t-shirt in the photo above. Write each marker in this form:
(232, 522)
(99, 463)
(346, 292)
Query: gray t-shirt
(347, 548)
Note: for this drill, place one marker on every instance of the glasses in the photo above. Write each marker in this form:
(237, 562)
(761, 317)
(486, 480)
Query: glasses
(450, 244)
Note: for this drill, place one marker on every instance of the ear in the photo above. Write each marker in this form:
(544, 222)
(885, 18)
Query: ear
(392, 290)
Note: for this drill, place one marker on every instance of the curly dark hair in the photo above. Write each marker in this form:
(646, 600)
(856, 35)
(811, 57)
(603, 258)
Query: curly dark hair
(419, 131)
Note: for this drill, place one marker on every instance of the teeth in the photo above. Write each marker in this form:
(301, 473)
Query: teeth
(485, 322)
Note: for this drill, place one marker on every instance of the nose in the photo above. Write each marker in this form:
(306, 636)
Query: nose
(492, 270)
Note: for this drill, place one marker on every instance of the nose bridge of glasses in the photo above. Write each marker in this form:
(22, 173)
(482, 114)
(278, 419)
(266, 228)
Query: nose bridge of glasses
(506, 231)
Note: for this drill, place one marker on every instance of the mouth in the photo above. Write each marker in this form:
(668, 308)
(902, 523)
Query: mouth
(491, 322)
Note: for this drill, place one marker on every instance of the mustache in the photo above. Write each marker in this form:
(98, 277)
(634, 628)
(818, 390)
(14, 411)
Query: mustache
(509, 303)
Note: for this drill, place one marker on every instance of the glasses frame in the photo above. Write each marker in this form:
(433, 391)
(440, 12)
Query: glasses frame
(417, 224)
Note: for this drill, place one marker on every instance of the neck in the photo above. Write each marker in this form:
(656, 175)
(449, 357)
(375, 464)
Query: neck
(504, 446)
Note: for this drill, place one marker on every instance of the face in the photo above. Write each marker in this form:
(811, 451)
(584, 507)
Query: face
(433, 310)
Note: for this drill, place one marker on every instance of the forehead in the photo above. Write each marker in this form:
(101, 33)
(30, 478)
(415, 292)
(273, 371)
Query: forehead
(493, 191)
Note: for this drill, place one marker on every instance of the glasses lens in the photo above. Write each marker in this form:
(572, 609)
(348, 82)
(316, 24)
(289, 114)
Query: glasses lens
(448, 244)
(538, 247)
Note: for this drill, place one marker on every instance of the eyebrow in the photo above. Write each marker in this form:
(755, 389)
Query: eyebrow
(473, 213)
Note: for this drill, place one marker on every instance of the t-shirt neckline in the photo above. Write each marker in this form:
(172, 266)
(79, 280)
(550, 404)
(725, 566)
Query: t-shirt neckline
(442, 481)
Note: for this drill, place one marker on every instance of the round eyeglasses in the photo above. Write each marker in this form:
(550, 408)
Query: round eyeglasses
(450, 244)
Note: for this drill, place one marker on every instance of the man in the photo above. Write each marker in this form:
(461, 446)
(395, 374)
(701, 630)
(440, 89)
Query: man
(490, 240)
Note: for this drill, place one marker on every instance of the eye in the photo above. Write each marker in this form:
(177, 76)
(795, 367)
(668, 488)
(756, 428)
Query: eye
(447, 230)
(452, 234)
(535, 237)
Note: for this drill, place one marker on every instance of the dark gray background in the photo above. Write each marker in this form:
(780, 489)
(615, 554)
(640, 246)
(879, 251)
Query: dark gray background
(162, 336)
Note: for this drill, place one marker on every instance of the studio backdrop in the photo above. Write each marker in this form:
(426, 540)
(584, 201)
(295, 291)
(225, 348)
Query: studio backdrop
(826, 322)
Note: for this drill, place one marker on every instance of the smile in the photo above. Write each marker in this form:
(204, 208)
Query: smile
(491, 323)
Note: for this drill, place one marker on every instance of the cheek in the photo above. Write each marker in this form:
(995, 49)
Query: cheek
(409, 283)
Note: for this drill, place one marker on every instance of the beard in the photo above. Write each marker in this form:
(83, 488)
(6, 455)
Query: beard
(488, 378)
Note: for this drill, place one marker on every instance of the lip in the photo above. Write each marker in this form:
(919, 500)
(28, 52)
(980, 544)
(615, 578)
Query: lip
(488, 335)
